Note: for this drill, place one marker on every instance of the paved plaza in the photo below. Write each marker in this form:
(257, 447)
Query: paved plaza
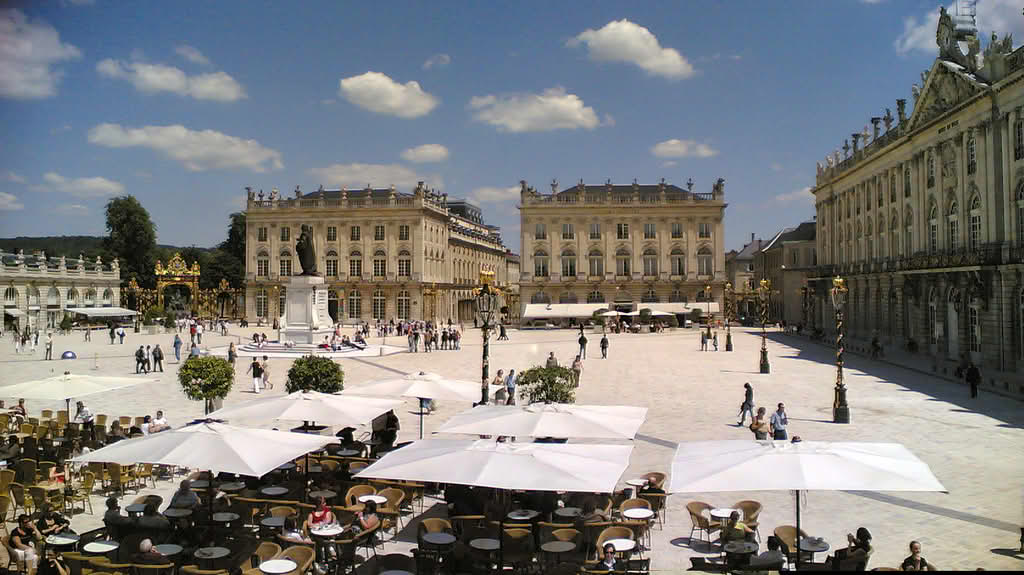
(972, 446)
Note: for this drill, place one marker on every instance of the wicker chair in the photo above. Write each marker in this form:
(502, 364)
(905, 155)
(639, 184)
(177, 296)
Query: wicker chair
(392, 510)
(21, 498)
(5, 510)
(302, 556)
(750, 509)
(266, 551)
(787, 535)
(701, 523)
(634, 503)
(357, 491)
(517, 548)
(82, 492)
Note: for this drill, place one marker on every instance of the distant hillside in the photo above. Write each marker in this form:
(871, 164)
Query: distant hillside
(69, 246)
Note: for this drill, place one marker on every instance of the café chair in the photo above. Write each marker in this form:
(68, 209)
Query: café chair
(787, 535)
(750, 509)
(83, 491)
(195, 570)
(302, 556)
(21, 499)
(701, 522)
(659, 505)
(517, 549)
(266, 551)
(146, 569)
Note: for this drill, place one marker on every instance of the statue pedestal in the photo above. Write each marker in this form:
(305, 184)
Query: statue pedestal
(305, 319)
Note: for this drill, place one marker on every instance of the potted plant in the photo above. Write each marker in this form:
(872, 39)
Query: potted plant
(547, 385)
(314, 373)
(206, 378)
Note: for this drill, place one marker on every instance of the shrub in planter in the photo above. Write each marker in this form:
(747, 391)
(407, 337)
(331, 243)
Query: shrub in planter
(65, 324)
(547, 385)
(598, 318)
(169, 321)
(671, 321)
(149, 318)
(206, 378)
(313, 373)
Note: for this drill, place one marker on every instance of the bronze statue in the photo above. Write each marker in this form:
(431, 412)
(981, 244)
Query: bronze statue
(305, 251)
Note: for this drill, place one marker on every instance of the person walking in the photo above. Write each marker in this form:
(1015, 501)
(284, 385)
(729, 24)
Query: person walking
(583, 344)
(113, 334)
(779, 422)
(177, 348)
(577, 370)
(604, 346)
(748, 403)
(503, 335)
(257, 374)
(49, 346)
(973, 377)
(703, 341)
(140, 359)
(266, 373)
(199, 332)
(145, 359)
(714, 341)
(510, 387)
(551, 362)
(158, 358)
(760, 425)
(232, 355)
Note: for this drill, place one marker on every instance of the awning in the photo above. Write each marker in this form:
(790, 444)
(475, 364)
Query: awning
(13, 312)
(677, 307)
(559, 310)
(102, 311)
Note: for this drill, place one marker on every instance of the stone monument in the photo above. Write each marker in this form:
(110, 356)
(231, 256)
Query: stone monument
(305, 319)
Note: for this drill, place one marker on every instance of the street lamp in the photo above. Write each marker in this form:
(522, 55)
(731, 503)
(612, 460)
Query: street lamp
(486, 304)
(840, 410)
(762, 293)
(707, 296)
(729, 311)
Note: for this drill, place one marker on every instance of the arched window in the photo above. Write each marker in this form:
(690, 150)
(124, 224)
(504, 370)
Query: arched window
(380, 307)
(974, 326)
(540, 297)
(404, 264)
(262, 264)
(568, 263)
(650, 296)
(332, 305)
(286, 263)
(282, 301)
(678, 259)
(90, 297)
(108, 297)
(567, 297)
(933, 229)
(595, 297)
(33, 296)
(931, 170)
(355, 305)
(52, 298)
(355, 265)
(403, 305)
(705, 262)
(953, 226)
(906, 181)
(972, 156)
(332, 264)
(894, 236)
(650, 262)
(380, 264)
(540, 264)
(72, 297)
(622, 262)
(857, 245)
(892, 188)
(261, 303)
(596, 261)
(11, 296)
(974, 233)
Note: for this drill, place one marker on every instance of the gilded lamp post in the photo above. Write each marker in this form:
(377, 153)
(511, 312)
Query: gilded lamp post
(840, 410)
(763, 293)
(486, 300)
(730, 311)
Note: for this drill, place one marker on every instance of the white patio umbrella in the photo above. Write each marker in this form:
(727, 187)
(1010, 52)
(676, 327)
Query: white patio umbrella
(64, 387)
(549, 420)
(737, 465)
(658, 313)
(610, 313)
(312, 406)
(484, 463)
(422, 384)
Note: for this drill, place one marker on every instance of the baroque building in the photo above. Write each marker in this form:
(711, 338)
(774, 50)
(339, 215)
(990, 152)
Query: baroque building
(923, 215)
(739, 271)
(384, 254)
(38, 290)
(622, 245)
(787, 261)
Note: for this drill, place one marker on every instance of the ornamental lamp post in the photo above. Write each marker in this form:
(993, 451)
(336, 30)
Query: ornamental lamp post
(486, 304)
(840, 410)
(762, 293)
(729, 311)
(707, 295)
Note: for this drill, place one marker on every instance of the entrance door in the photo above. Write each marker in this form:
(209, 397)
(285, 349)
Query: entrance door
(953, 325)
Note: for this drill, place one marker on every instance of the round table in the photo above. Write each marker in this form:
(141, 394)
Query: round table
(208, 555)
(169, 548)
(379, 500)
(232, 486)
(347, 452)
(325, 493)
(272, 521)
(639, 482)
(274, 490)
(638, 513)
(199, 484)
(135, 508)
(439, 538)
(225, 517)
(328, 531)
(622, 545)
(100, 547)
(721, 513)
(813, 545)
(485, 544)
(558, 547)
(568, 511)
(523, 514)
(61, 540)
(176, 512)
(740, 547)
(278, 566)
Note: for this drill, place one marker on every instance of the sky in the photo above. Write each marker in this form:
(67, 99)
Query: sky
(184, 104)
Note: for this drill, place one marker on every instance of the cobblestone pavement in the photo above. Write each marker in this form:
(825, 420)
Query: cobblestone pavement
(973, 446)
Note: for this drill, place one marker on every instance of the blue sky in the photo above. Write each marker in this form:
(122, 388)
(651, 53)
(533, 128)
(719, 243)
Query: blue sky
(183, 104)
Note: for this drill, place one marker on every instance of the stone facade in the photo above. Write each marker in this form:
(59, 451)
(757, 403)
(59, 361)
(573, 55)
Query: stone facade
(924, 218)
(787, 261)
(383, 254)
(740, 272)
(622, 244)
(38, 288)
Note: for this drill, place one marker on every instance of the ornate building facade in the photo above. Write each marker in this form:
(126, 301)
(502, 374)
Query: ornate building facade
(38, 289)
(622, 245)
(787, 261)
(923, 215)
(739, 271)
(384, 254)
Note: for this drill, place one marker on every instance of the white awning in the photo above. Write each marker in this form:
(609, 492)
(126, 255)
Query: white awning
(559, 310)
(677, 307)
(13, 311)
(102, 311)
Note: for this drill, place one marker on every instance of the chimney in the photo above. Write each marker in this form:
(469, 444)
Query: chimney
(751, 237)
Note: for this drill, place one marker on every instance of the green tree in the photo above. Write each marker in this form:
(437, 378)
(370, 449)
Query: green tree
(314, 373)
(547, 385)
(131, 237)
(222, 265)
(597, 317)
(206, 378)
(235, 244)
(696, 315)
(645, 315)
(65, 323)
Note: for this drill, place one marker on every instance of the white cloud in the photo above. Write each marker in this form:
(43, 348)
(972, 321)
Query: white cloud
(153, 78)
(669, 164)
(776, 167)
(624, 41)
(1001, 16)
(493, 195)
(10, 203)
(29, 50)
(197, 150)
(96, 187)
(375, 175)
(426, 153)
(553, 109)
(378, 93)
(192, 54)
(14, 178)
(72, 209)
(803, 194)
(675, 148)
(437, 61)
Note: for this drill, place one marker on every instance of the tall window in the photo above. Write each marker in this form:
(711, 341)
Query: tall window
(404, 264)
(705, 266)
(353, 234)
(676, 296)
(332, 305)
(262, 265)
(622, 267)
(286, 264)
(678, 262)
(650, 296)
(650, 231)
(378, 233)
(596, 260)
(568, 232)
(286, 234)
(595, 297)
(540, 232)
(540, 297)
(11, 296)
(72, 297)
(282, 298)
(906, 181)
(403, 233)
(650, 262)
(972, 159)
(881, 196)
(540, 264)
(931, 170)
(332, 233)
(1020, 214)
(595, 231)
(261, 234)
(908, 232)
(332, 264)
(892, 188)
(355, 305)
(403, 305)
(622, 231)
(869, 253)
(380, 307)
(974, 327)
(839, 208)
(841, 246)
(355, 265)
(894, 237)
(953, 226)
(704, 230)
(90, 297)
(974, 233)
(677, 230)
(380, 263)
(933, 230)
(1018, 140)
(261, 302)
(868, 203)
(568, 264)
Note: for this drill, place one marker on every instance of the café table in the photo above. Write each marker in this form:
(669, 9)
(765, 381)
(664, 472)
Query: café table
(169, 549)
(813, 545)
(523, 514)
(485, 544)
(439, 538)
(286, 466)
(177, 513)
(58, 541)
(231, 486)
(568, 512)
(207, 555)
(200, 484)
(347, 452)
(100, 547)
(638, 482)
(274, 490)
(378, 499)
(225, 517)
(325, 493)
(622, 545)
(722, 514)
(278, 566)
(273, 522)
(556, 548)
(638, 513)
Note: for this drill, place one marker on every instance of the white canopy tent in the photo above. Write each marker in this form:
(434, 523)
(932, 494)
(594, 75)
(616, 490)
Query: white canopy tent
(64, 387)
(484, 463)
(562, 310)
(343, 410)
(549, 420)
(103, 311)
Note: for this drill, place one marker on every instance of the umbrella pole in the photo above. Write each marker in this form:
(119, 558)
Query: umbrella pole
(797, 568)
(421, 420)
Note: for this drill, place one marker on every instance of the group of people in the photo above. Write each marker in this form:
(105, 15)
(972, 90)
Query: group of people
(193, 349)
(761, 426)
(438, 337)
(705, 340)
(260, 371)
(143, 355)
